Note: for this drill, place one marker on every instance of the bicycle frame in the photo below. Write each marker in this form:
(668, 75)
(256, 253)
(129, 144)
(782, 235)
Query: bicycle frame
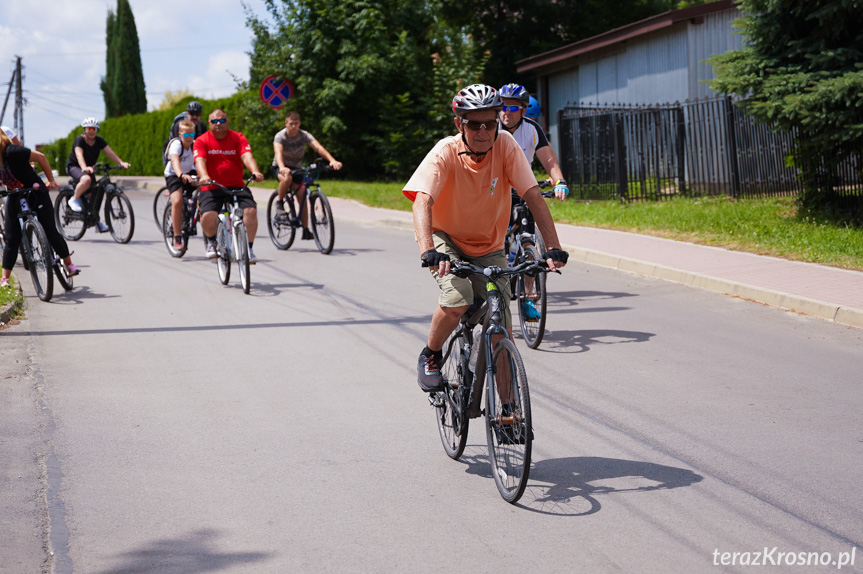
(92, 198)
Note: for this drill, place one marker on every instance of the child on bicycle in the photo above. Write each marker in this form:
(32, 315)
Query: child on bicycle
(179, 175)
(15, 173)
(289, 147)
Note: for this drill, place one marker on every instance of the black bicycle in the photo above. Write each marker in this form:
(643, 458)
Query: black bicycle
(119, 215)
(36, 252)
(189, 228)
(283, 226)
(524, 242)
(480, 350)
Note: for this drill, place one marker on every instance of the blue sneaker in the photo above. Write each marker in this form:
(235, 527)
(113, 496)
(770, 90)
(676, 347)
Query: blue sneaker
(531, 312)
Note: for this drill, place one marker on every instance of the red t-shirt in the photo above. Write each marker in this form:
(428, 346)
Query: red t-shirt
(224, 163)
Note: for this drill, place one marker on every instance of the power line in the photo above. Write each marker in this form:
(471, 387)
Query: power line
(64, 104)
(172, 49)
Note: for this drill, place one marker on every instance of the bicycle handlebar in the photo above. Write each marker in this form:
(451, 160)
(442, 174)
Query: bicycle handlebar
(105, 167)
(227, 189)
(464, 269)
(20, 190)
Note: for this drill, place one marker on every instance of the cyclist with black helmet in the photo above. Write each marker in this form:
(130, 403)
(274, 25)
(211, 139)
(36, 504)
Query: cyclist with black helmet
(529, 135)
(82, 158)
(193, 114)
(461, 210)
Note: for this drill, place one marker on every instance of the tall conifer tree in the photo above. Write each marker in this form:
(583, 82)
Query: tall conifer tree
(123, 84)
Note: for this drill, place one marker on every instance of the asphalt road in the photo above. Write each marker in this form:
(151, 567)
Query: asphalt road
(156, 421)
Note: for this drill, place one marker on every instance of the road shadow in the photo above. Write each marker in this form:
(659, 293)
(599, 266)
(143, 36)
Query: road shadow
(570, 486)
(273, 289)
(74, 297)
(560, 341)
(192, 554)
(419, 319)
(571, 298)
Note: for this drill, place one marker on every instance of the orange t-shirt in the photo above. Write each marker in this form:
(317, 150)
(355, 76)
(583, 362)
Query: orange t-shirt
(472, 200)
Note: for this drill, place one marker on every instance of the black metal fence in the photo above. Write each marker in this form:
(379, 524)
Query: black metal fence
(707, 147)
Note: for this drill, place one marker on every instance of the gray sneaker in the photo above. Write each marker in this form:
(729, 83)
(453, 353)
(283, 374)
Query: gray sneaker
(252, 257)
(212, 250)
(429, 377)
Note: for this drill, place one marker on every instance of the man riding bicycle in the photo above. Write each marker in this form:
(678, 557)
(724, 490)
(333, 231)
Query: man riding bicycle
(530, 136)
(289, 147)
(461, 209)
(220, 154)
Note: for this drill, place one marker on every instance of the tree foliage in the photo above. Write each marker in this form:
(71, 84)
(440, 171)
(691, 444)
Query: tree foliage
(372, 78)
(123, 83)
(802, 69)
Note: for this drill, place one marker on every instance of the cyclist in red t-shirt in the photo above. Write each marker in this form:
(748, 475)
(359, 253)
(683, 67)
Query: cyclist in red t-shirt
(220, 154)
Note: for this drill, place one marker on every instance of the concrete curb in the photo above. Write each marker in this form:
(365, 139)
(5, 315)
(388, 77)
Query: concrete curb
(8, 312)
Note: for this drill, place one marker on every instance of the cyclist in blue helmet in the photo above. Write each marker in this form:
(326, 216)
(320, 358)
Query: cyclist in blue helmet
(534, 110)
(529, 134)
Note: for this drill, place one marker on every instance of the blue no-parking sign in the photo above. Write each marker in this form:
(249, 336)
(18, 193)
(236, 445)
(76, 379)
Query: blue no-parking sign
(275, 91)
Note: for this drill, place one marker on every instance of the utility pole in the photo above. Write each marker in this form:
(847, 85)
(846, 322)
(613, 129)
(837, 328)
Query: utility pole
(18, 114)
(19, 102)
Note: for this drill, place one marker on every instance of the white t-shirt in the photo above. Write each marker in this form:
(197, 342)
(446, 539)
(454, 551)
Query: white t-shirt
(530, 137)
(187, 158)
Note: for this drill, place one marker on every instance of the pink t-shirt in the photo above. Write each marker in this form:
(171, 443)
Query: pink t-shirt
(472, 200)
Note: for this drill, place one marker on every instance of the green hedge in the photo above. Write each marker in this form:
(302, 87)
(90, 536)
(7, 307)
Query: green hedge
(138, 139)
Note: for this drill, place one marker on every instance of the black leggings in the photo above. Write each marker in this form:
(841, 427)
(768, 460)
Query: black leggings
(40, 202)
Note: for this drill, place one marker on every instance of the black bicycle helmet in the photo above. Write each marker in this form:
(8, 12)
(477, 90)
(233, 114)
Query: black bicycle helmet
(474, 98)
(515, 92)
(194, 108)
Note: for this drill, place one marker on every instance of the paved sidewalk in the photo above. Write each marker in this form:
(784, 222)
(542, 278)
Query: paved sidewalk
(806, 288)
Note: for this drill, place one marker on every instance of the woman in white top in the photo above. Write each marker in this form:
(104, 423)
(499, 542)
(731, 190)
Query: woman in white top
(178, 175)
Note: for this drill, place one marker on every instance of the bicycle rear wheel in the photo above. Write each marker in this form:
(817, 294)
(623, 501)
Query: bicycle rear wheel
(323, 226)
(70, 223)
(281, 230)
(168, 232)
(531, 291)
(119, 216)
(243, 264)
(163, 196)
(508, 422)
(451, 424)
(41, 259)
(223, 240)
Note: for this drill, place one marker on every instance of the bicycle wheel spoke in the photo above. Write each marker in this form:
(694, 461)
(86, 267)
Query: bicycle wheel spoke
(452, 423)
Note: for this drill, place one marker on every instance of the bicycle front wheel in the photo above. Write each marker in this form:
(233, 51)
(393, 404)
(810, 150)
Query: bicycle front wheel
(41, 259)
(532, 302)
(70, 223)
(282, 231)
(242, 251)
(223, 240)
(452, 424)
(323, 227)
(168, 233)
(119, 216)
(66, 280)
(508, 422)
(163, 196)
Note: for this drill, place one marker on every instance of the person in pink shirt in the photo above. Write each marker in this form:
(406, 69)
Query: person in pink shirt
(461, 196)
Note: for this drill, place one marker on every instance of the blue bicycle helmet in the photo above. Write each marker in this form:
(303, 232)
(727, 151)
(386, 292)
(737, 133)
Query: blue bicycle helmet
(515, 92)
(533, 110)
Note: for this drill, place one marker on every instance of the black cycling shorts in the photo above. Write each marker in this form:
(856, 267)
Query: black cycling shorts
(217, 200)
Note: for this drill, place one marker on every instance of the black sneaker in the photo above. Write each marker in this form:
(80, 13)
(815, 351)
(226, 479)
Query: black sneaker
(429, 377)
(307, 234)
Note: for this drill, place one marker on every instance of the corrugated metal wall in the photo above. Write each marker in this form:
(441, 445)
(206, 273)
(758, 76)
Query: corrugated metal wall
(661, 67)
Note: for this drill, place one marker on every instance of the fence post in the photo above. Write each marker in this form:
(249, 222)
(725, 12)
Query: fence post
(680, 151)
(619, 156)
(731, 138)
(564, 141)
